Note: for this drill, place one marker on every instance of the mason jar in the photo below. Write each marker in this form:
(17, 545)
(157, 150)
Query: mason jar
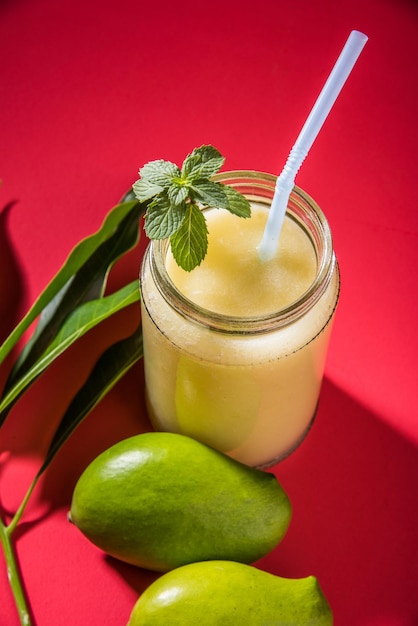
(245, 384)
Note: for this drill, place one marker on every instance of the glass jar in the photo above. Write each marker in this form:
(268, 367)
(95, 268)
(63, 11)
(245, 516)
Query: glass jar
(247, 386)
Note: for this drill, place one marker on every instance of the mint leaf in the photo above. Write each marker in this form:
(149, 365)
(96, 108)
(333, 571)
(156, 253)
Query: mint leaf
(159, 172)
(203, 162)
(189, 243)
(162, 218)
(177, 193)
(175, 198)
(209, 194)
(237, 203)
(145, 190)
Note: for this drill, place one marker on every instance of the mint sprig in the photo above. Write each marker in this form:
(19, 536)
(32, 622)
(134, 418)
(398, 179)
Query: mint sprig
(176, 196)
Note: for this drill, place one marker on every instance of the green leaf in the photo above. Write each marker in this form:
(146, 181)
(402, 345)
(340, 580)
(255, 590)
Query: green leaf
(189, 243)
(160, 172)
(49, 322)
(210, 194)
(128, 196)
(81, 320)
(109, 369)
(177, 193)
(162, 218)
(203, 162)
(83, 277)
(237, 203)
(144, 190)
(170, 191)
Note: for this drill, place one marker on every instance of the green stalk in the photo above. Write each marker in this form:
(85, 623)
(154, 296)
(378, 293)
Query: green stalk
(14, 575)
(10, 556)
(16, 519)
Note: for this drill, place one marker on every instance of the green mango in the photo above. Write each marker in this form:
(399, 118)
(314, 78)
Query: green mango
(224, 593)
(161, 500)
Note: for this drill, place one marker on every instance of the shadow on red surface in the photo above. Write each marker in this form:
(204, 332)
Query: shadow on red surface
(11, 288)
(353, 484)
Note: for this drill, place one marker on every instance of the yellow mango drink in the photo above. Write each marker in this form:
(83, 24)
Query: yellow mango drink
(235, 350)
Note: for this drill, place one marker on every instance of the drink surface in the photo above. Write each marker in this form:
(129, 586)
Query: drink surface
(232, 279)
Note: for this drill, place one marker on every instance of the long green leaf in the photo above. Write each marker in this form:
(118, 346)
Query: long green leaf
(81, 320)
(82, 278)
(110, 367)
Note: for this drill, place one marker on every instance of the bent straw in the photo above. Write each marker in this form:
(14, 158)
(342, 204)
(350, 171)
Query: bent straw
(285, 182)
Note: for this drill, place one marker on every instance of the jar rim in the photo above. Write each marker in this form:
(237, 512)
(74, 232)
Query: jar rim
(259, 187)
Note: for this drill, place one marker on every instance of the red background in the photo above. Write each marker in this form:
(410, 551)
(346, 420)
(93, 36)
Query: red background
(89, 92)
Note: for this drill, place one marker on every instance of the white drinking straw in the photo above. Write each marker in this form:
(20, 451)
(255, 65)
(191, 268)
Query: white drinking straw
(285, 182)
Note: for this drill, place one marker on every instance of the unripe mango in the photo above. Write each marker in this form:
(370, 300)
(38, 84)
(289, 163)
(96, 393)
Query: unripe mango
(225, 593)
(161, 500)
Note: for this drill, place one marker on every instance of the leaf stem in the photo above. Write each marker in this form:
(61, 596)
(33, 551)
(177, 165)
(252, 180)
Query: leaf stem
(16, 518)
(14, 574)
